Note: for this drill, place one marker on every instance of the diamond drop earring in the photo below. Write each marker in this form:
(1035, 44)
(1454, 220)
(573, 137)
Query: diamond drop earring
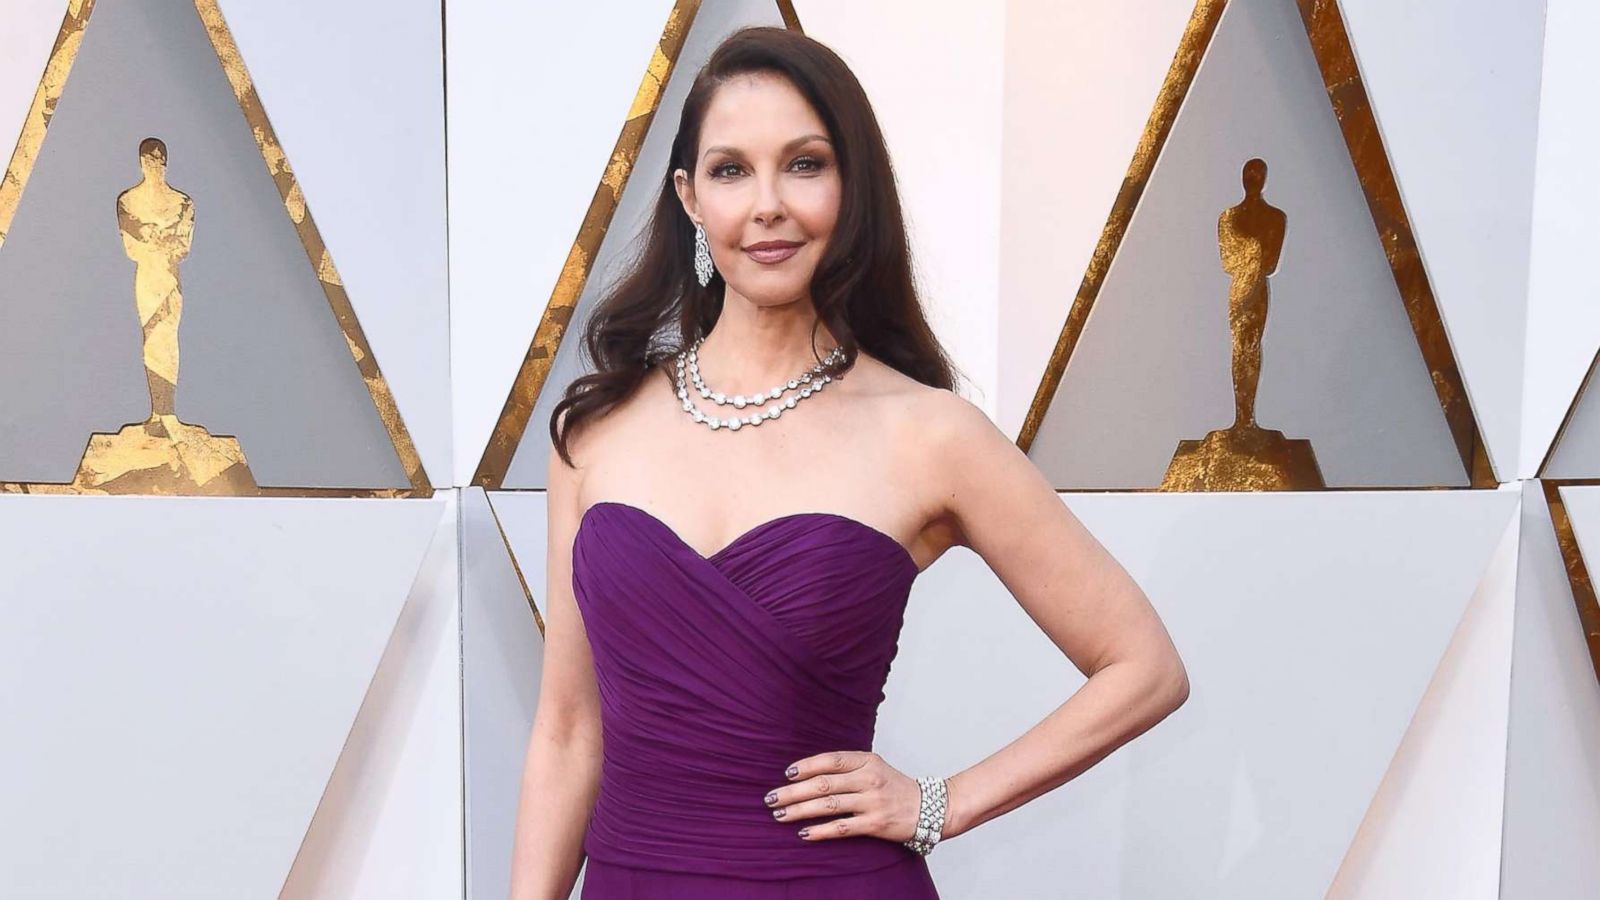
(702, 256)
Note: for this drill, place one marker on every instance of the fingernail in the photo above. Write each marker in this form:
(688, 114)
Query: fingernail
(778, 813)
(792, 771)
(804, 832)
(772, 798)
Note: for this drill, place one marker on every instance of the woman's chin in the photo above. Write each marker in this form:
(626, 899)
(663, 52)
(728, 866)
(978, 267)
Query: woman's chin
(764, 290)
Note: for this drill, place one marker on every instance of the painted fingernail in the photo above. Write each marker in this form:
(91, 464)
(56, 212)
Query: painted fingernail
(792, 771)
(772, 798)
(778, 813)
(804, 832)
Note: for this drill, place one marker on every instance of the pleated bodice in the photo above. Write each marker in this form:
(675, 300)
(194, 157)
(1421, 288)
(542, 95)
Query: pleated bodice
(717, 672)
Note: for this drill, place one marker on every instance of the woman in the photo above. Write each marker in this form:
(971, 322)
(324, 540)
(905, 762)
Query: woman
(729, 561)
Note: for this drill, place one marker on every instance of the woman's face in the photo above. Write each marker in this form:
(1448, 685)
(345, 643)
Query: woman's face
(766, 174)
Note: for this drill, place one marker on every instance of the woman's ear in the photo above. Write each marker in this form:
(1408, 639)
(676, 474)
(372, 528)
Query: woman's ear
(685, 188)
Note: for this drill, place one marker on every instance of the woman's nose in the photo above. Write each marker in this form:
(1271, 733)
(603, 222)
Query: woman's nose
(769, 201)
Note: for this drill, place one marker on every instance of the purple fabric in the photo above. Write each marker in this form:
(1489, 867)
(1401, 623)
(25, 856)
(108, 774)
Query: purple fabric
(715, 673)
(907, 880)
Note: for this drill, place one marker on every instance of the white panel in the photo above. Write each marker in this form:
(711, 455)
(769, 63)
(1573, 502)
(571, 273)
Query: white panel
(190, 669)
(1080, 79)
(1563, 301)
(354, 91)
(25, 42)
(390, 822)
(1433, 830)
(1310, 625)
(529, 140)
(1552, 822)
(504, 656)
(1455, 87)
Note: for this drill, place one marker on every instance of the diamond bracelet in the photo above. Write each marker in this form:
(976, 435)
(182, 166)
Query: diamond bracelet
(930, 817)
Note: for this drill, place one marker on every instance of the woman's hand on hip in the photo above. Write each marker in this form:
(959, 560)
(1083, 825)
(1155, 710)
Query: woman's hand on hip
(875, 798)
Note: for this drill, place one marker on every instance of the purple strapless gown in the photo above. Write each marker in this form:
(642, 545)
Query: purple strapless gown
(715, 673)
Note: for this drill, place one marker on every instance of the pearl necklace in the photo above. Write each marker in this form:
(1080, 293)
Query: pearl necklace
(808, 383)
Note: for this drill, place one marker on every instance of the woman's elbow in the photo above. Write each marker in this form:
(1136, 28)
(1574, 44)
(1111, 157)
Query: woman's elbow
(1175, 685)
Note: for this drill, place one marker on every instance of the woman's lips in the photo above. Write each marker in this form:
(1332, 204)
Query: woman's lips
(772, 255)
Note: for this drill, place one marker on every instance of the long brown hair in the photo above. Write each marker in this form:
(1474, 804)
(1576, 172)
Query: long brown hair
(863, 287)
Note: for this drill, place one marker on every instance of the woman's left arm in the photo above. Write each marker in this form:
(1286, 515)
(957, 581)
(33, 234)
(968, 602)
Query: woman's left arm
(1001, 506)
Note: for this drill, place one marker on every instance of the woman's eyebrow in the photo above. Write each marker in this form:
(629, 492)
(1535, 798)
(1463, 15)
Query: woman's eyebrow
(799, 141)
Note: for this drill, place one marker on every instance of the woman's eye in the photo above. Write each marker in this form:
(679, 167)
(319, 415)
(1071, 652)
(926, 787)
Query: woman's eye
(804, 164)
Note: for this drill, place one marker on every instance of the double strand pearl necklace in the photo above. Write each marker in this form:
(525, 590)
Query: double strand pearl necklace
(808, 383)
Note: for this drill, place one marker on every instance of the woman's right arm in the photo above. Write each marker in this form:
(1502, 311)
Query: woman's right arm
(561, 772)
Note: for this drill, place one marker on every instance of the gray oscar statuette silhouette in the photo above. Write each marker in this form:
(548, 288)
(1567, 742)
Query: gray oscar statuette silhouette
(1245, 456)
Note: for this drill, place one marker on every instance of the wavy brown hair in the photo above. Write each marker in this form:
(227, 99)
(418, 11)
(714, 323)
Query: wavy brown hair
(863, 288)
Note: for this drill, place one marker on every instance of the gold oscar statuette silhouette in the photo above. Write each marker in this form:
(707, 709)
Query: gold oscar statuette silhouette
(1245, 456)
(160, 455)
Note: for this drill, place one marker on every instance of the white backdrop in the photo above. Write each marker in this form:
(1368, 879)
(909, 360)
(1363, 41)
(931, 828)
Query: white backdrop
(1452, 755)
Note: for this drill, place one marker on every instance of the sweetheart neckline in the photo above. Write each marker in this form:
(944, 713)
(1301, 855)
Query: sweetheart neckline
(903, 552)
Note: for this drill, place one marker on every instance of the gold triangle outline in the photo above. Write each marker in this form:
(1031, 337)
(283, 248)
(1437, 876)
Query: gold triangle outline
(511, 553)
(534, 372)
(1335, 56)
(1578, 579)
(62, 56)
(1566, 420)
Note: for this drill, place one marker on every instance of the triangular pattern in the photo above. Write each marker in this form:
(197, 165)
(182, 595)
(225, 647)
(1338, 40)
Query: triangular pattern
(1350, 284)
(1552, 796)
(383, 798)
(1574, 453)
(223, 649)
(503, 653)
(1570, 466)
(1434, 823)
(254, 247)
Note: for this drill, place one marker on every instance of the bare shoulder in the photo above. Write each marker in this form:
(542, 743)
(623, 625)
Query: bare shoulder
(922, 418)
(949, 420)
(957, 445)
(969, 473)
(942, 443)
(561, 479)
(937, 422)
